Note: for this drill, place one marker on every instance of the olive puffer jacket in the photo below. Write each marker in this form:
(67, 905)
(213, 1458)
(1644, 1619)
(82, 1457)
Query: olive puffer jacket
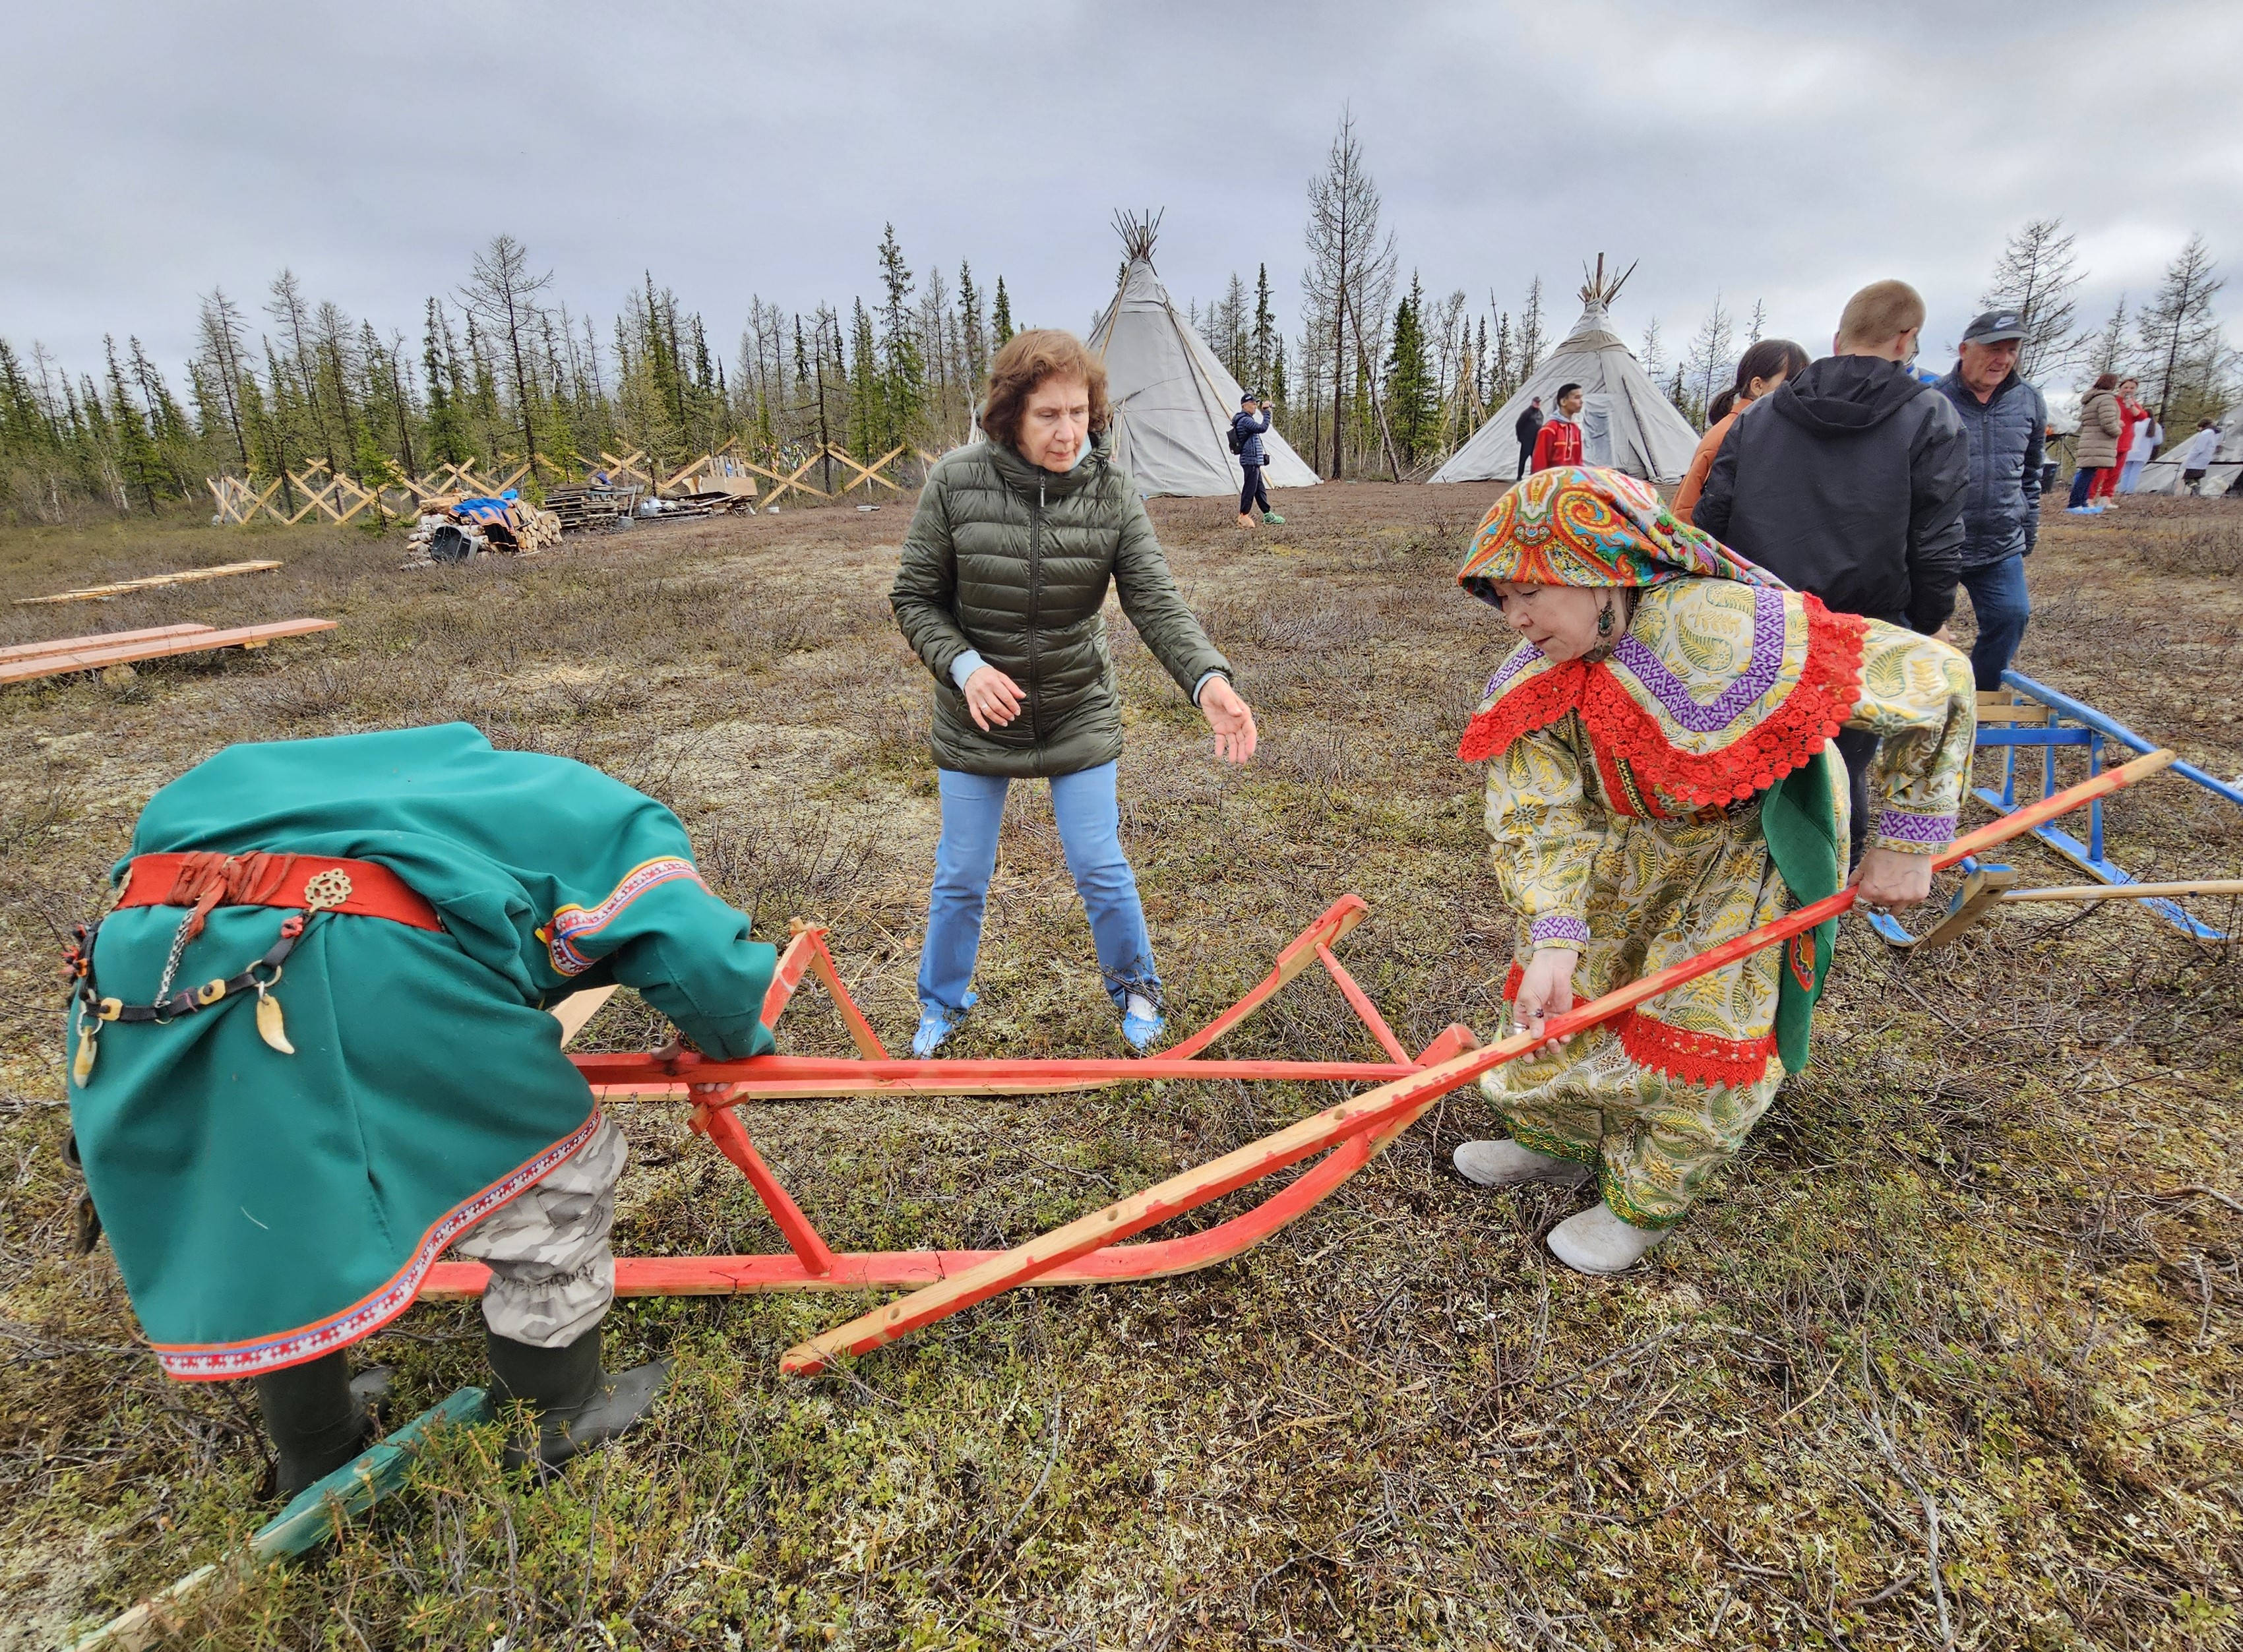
(1013, 562)
(2100, 421)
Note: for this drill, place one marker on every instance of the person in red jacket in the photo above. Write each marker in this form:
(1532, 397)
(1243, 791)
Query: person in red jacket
(2134, 416)
(1560, 441)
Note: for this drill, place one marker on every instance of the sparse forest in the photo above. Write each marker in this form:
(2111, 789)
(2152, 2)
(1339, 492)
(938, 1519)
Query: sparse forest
(1376, 377)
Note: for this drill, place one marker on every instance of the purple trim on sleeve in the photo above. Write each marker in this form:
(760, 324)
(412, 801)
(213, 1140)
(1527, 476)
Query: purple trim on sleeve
(1573, 929)
(1933, 830)
(1725, 707)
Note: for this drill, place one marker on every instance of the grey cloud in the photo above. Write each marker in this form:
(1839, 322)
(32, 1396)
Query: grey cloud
(1768, 150)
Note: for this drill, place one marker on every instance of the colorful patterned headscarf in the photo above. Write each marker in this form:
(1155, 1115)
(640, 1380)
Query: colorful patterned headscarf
(1582, 525)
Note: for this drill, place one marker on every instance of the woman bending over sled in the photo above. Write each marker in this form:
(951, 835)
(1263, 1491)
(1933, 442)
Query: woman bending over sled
(1660, 780)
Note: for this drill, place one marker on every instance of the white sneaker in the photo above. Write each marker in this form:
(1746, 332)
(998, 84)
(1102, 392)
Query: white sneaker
(1596, 1241)
(1507, 1164)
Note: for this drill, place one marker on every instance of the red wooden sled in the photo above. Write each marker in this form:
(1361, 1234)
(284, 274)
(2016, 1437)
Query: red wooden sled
(1089, 1250)
(811, 1264)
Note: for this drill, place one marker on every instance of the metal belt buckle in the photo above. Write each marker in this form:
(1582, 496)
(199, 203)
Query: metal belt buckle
(327, 889)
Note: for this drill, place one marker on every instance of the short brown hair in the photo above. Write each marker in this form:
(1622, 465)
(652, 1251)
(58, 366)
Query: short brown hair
(1881, 311)
(1026, 361)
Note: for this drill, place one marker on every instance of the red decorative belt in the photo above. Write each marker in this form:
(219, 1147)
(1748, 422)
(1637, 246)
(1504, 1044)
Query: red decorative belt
(310, 882)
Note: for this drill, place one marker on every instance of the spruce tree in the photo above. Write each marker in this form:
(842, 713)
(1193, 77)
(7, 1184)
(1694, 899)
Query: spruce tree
(135, 452)
(903, 387)
(977, 347)
(440, 370)
(867, 400)
(1000, 316)
(1412, 397)
(1264, 346)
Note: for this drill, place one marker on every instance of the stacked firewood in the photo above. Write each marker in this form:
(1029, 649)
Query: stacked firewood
(453, 530)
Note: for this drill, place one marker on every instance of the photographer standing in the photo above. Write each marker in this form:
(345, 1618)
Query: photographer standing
(1246, 428)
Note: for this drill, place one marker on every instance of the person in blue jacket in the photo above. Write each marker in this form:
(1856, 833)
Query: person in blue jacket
(2005, 419)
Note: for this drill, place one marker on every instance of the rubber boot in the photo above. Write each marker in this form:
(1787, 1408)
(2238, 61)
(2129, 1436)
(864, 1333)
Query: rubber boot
(1506, 1163)
(316, 1423)
(1596, 1241)
(577, 1403)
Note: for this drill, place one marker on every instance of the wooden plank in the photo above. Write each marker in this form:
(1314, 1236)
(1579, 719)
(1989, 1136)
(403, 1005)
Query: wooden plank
(99, 639)
(576, 1008)
(2132, 891)
(868, 472)
(95, 658)
(185, 576)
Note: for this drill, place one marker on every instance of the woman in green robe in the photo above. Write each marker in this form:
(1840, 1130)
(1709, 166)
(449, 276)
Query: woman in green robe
(291, 1097)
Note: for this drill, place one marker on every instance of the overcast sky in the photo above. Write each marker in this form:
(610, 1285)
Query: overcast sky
(1766, 149)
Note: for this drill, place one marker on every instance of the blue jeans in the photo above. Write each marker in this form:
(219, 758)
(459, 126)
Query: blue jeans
(1997, 597)
(1089, 832)
(2083, 481)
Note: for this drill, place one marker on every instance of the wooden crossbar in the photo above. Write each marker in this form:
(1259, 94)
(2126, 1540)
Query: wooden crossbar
(869, 473)
(100, 653)
(106, 639)
(185, 576)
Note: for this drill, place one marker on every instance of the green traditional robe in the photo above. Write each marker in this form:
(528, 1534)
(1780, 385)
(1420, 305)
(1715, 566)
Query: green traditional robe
(266, 1209)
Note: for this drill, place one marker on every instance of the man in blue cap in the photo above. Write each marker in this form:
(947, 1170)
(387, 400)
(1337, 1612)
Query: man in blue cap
(2006, 420)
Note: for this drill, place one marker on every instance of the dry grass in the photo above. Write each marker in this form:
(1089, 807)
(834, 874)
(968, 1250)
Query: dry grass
(1964, 1288)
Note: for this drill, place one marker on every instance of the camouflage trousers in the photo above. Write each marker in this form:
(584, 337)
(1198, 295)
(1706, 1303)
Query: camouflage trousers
(552, 1273)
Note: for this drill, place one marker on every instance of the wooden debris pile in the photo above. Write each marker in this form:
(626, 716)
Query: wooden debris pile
(594, 507)
(453, 530)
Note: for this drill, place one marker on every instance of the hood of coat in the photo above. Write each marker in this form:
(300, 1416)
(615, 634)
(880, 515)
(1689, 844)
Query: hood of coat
(1843, 395)
(1030, 480)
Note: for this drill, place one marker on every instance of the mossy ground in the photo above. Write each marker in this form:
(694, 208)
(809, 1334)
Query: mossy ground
(1949, 1358)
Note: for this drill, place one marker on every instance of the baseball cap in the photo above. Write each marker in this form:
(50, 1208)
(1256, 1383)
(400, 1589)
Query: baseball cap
(1995, 326)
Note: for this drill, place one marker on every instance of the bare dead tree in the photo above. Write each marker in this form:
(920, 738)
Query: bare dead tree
(503, 293)
(1350, 265)
(2036, 275)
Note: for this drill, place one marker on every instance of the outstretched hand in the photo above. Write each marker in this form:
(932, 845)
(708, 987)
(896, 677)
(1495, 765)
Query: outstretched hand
(1229, 718)
(1890, 881)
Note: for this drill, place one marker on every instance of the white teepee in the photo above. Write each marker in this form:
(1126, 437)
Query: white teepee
(1627, 421)
(1173, 402)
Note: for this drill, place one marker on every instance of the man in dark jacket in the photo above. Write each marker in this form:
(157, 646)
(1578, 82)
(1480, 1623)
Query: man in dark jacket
(2004, 418)
(1529, 427)
(1852, 486)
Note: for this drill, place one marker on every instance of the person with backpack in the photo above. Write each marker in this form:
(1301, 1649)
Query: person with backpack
(1246, 432)
(1529, 427)
(1851, 485)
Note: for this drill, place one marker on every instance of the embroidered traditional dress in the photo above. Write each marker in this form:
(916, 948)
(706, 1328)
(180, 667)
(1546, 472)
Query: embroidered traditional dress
(1650, 804)
(266, 1207)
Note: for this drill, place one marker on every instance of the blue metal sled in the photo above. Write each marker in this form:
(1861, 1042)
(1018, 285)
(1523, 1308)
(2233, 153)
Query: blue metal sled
(2031, 714)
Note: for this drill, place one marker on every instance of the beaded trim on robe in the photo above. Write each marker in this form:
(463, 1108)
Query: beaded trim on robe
(198, 1362)
(1762, 719)
(571, 923)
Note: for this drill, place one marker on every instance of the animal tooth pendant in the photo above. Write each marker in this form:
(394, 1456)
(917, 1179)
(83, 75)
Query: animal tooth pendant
(82, 1062)
(270, 1027)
